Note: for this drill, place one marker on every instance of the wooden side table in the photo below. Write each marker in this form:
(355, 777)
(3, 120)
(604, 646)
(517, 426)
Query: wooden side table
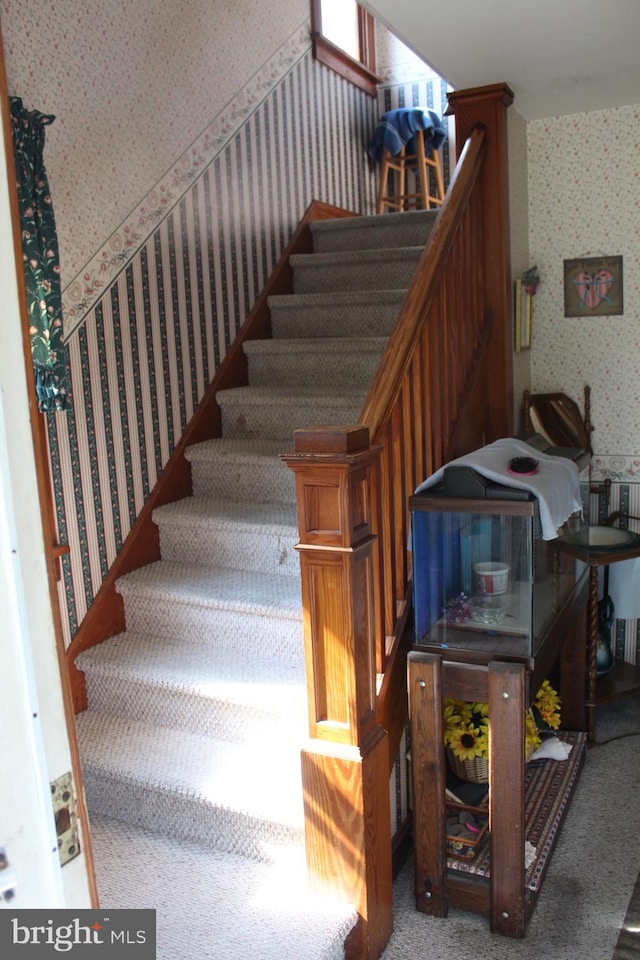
(624, 679)
(508, 687)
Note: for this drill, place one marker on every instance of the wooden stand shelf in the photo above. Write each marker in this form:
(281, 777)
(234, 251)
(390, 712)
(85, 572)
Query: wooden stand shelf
(505, 896)
(624, 678)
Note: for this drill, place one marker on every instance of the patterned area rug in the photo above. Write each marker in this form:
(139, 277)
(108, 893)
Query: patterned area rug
(547, 791)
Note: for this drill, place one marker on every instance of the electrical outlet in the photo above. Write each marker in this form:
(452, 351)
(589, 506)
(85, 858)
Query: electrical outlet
(64, 809)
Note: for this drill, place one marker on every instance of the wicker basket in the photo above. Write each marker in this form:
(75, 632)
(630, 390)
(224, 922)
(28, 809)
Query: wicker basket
(476, 770)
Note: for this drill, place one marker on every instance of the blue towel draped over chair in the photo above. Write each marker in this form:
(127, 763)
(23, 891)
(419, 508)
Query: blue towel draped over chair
(396, 129)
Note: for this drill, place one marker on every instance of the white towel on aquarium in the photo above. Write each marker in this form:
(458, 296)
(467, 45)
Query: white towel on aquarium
(555, 484)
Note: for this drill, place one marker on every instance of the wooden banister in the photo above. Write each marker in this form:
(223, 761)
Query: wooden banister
(402, 345)
(431, 400)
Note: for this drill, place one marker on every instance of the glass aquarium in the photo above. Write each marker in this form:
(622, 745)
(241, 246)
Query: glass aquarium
(484, 580)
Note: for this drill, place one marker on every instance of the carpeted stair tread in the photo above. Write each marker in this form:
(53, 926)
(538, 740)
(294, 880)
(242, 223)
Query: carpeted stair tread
(270, 518)
(229, 795)
(284, 395)
(373, 231)
(337, 362)
(205, 690)
(305, 345)
(242, 468)
(215, 772)
(236, 909)
(355, 257)
(341, 299)
(355, 270)
(265, 682)
(235, 447)
(247, 611)
(348, 313)
(279, 411)
(249, 592)
(226, 533)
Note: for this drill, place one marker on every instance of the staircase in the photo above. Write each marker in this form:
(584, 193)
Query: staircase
(197, 712)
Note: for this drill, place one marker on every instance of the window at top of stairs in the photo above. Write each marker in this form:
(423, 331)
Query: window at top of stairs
(344, 40)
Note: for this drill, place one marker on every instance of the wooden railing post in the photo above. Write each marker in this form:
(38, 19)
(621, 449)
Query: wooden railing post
(487, 106)
(345, 767)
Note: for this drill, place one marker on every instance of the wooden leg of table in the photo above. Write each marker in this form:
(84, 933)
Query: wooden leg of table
(592, 654)
(506, 798)
(428, 779)
(384, 181)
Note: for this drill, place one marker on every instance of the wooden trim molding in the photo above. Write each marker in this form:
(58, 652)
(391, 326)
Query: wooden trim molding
(45, 498)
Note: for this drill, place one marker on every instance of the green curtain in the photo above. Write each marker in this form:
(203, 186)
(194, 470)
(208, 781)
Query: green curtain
(40, 257)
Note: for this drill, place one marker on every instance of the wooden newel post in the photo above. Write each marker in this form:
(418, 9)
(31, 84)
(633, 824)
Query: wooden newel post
(345, 767)
(487, 106)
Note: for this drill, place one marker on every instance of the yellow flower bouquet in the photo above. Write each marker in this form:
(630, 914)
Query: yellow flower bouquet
(466, 731)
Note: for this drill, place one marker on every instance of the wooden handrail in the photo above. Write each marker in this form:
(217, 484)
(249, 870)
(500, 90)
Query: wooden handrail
(431, 400)
(416, 397)
(400, 348)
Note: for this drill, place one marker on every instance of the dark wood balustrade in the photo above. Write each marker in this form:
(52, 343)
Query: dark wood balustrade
(443, 388)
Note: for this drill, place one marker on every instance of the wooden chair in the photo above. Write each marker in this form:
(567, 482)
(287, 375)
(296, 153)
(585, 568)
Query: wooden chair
(392, 191)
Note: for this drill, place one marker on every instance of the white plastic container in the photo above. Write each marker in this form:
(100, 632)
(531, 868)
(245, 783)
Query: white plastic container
(491, 577)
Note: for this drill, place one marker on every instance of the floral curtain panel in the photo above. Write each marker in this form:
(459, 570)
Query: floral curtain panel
(40, 257)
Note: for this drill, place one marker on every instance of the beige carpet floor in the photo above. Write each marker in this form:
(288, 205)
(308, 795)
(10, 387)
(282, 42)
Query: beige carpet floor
(580, 911)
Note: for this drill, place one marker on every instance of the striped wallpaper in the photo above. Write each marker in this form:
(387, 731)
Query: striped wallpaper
(624, 497)
(143, 355)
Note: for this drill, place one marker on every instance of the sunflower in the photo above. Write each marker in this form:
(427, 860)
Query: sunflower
(466, 723)
(547, 706)
(464, 742)
(531, 737)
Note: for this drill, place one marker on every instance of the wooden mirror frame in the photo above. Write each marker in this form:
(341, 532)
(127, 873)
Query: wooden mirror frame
(558, 418)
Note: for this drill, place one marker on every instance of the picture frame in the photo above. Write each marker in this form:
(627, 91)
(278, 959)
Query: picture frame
(522, 314)
(593, 287)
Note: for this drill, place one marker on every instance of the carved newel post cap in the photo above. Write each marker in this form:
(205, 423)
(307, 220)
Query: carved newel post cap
(331, 439)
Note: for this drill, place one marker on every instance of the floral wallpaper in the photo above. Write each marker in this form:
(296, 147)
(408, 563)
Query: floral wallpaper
(584, 201)
(123, 123)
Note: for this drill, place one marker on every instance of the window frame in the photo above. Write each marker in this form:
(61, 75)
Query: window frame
(359, 72)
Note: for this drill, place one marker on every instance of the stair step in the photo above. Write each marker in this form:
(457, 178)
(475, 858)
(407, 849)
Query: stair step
(230, 797)
(344, 314)
(409, 229)
(226, 533)
(239, 610)
(278, 413)
(242, 469)
(205, 691)
(233, 908)
(305, 362)
(355, 270)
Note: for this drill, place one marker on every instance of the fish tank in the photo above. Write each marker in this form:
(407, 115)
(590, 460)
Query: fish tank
(484, 580)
